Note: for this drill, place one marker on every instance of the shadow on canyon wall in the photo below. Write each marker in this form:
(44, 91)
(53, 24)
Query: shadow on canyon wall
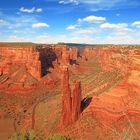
(47, 56)
(85, 103)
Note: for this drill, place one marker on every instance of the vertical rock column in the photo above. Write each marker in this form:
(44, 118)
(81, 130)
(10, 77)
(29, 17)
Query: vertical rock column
(66, 57)
(76, 100)
(71, 106)
(66, 98)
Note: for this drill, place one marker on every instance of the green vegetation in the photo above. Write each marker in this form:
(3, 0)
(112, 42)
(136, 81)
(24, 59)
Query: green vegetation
(28, 135)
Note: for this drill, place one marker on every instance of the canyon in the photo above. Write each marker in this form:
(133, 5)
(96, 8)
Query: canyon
(88, 92)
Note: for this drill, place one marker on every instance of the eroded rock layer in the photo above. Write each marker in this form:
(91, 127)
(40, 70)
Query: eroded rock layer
(27, 66)
(27, 56)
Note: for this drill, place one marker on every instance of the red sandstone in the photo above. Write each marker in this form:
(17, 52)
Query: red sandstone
(76, 100)
(71, 106)
(66, 97)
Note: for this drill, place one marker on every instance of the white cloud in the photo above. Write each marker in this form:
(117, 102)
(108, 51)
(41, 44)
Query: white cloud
(92, 19)
(136, 24)
(71, 27)
(39, 10)
(22, 9)
(120, 29)
(32, 10)
(76, 2)
(40, 25)
(114, 26)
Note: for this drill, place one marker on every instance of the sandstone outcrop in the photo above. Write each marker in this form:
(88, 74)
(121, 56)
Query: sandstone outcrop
(65, 57)
(76, 100)
(26, 64)
(37, 59)
(120, 102)
(71, 106)
(66, 97)
(109, 57)
(20, 55)
(69, 55)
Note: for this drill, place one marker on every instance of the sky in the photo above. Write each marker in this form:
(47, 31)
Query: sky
(70, 21)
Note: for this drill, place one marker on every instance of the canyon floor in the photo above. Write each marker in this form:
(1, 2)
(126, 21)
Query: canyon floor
(32, 92)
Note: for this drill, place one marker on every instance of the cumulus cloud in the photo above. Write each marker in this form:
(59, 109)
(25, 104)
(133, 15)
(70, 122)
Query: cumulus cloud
(117, 29)
(22, 9)
(136, 24)
(40, 25)
(71, 27)
(114, 26)
(92, 19)
(39, 10)
(32, 10)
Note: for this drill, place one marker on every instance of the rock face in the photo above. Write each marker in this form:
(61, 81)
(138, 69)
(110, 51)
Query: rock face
(46, 56)
(109, 57)
(76, 100)
(71, 106)
(69, 55)
(66, 57)
(110, 107)
(21, 55)
(26, 65)
(37, 59)
(66, 97)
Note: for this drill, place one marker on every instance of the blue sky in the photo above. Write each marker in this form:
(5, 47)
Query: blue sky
(77, 21)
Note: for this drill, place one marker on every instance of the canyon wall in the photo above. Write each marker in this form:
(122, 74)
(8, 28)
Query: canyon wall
(109, 57)
(37, 59)
(27, 56)
(120, 101)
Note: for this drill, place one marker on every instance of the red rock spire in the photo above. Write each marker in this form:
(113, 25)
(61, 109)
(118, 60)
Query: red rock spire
(71, 106)
(66, 97)
(76, 100)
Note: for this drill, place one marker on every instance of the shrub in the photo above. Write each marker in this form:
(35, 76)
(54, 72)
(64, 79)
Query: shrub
(58, 137)
(31, 135)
